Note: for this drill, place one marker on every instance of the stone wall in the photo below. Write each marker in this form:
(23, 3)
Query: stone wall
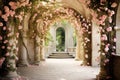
(95, 45)
(118, 31)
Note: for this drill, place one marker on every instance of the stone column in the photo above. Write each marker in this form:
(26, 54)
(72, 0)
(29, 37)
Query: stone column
(23, 54)
(23, 57)
(10, 64)
(79, 49)
(42, 57)
(37, 50)
(95, 45)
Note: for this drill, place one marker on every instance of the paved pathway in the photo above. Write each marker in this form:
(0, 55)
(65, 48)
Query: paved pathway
(59, 69)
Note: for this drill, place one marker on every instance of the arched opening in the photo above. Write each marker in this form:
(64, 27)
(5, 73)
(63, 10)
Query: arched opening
(36, 26)
(69, 39)
(37, 33)
(60, 39)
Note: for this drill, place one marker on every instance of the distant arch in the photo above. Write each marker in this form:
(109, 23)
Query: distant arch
(60, 38)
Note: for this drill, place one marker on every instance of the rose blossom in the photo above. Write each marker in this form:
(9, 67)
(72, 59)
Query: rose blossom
(114, 5)
(106, 49)
(6, 9)
(1, 61)
(1, 38)
(104, 37)
(1, 24)
(115, 39)
(109, 29)
(7, 54)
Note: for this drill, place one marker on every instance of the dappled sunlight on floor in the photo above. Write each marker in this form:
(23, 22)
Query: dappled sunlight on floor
(59, 69)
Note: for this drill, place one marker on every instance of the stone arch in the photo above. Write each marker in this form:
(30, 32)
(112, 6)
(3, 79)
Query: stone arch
(83, 19)
(68, 33)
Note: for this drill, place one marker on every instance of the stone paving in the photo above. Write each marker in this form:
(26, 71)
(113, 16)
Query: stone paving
(59, 69)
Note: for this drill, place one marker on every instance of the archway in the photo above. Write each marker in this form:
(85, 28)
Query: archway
(12, 56)
(37, 33)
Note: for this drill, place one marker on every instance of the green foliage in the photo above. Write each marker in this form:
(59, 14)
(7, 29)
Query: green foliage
(48, 38)
(60, 37)
(64, 22)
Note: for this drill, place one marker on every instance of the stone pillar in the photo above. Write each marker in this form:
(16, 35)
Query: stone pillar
(23, 54)
(42, 57)
(10, 64)
(95, 45)
(23, 57)
(37, 50)
(79, 49)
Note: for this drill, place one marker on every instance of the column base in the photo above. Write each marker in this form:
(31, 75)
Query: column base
(37, 63)
(23, 64)
(42, 59)
(76, 59)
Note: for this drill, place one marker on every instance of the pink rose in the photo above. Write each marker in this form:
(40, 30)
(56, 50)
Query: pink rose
(20, 27)
(6, 41)
(1, 24)
(6, 9)
(4, 28)
(86, 56)
(115, 39)
(7, 54)
(17, 49)
(13, 5)
(106, 60)
(111, 13)
(17, 35)
(109, 29)
(114, 5)
(5, 17)
(104, 37)
(12, 13)
(1, 37)
(113, 53)
(106, 49)
(114, 47)
(1, 61)
(3, 47)
(8, 47)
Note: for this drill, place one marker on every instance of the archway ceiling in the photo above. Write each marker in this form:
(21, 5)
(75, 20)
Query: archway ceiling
(78, 6)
